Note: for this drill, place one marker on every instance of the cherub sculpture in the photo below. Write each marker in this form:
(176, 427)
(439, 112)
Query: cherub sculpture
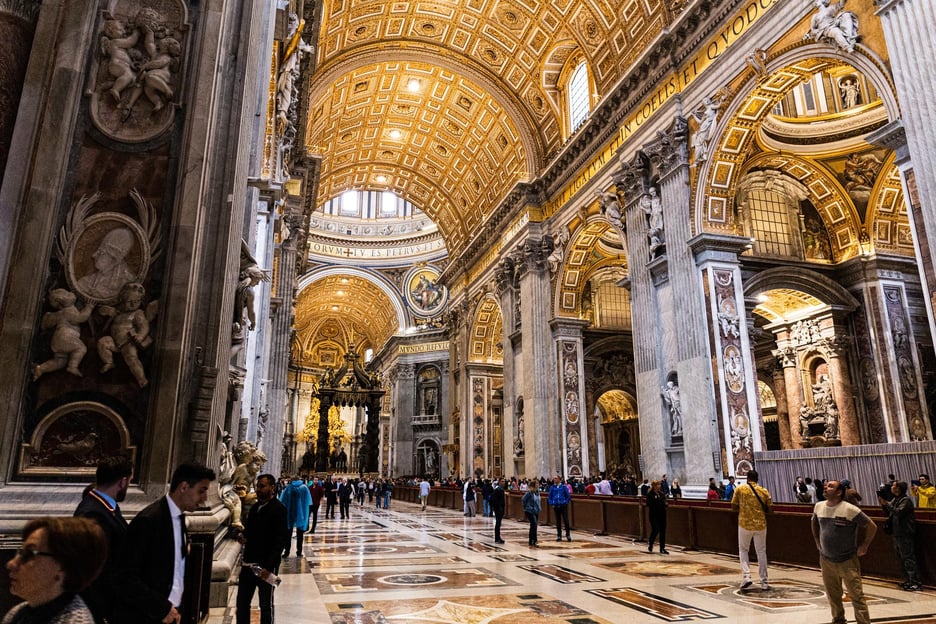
(67, 347)
(611, 207)
(129, 331)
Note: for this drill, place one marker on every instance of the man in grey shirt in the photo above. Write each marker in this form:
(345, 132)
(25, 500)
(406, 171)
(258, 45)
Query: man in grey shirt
(835, 525)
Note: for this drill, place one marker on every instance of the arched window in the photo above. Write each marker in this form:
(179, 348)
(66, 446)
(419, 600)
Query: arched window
(577, 96)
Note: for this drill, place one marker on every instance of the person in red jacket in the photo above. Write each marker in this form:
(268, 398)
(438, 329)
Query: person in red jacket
(317, 491)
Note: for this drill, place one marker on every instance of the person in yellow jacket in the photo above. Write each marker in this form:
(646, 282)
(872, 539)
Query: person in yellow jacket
(925, 493)
(753, 503)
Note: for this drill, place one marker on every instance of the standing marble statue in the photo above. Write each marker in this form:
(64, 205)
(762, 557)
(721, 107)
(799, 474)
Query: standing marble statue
(707, 118)
(670, 394)
(554, 260)
(651, 204)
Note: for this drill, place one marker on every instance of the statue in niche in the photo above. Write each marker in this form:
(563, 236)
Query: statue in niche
(653, 207)
(822, 394)
(129, 331)
(245, 313)
(611, 208)
(67, 347)
(227, 464)
(850, 91)
(832, 24)
(670, 394)
(289, 71)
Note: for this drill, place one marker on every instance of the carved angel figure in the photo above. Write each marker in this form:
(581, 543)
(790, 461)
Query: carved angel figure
(116, 46)
(67, 347)
(129, 331)
(833, 24)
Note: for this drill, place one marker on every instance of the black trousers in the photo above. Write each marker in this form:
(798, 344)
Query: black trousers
(534, 525)
(344, 508)
(905, 549)
(330, 508)
(313, 510)
(562, 517)
(497, 525)
(300, 533)
(247, 582)
(658, 528)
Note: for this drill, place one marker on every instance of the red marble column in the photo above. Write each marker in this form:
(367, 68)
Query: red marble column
(794, 400)
(783, 410)
(842, 392)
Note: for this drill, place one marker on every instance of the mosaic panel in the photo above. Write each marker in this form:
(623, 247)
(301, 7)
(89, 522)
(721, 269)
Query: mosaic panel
(425, 578)
(785, 595)
(666, 568)
(657, 606)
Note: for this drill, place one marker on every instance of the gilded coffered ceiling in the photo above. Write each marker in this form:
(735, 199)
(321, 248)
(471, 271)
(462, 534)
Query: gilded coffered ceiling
(453, 103)
(782, 304)
(363, 312)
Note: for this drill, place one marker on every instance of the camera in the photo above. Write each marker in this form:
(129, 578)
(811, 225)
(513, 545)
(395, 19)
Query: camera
(884, 491)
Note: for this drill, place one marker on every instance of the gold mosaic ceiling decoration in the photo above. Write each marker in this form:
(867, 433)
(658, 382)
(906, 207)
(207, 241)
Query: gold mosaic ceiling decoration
(483, 113)
(350, 300)
(782, 304)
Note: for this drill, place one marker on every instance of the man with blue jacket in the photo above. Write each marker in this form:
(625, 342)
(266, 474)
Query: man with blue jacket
(559, 500)
(297, 500)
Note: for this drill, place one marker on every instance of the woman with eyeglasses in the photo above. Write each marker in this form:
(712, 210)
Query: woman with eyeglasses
(59, 558)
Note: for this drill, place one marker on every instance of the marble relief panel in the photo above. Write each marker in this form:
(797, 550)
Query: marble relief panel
(904, 357)
(571, 406)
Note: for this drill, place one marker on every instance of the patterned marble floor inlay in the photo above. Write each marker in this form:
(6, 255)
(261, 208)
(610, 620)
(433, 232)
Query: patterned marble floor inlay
(367, 549)
(560, 574)
(783, 595)
(658, 568)
(657, 606)
(406, 566)
(499, 609)
(373, 562)
(440, 578)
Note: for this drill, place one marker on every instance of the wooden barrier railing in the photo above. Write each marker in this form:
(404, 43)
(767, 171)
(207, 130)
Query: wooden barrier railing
(705, 525)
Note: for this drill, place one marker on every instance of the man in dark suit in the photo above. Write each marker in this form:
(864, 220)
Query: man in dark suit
(265, 537)
(498, 506)
(157, 545)
(101, 503)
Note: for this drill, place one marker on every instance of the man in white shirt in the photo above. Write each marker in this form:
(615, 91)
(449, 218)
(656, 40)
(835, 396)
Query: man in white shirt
(424, 492)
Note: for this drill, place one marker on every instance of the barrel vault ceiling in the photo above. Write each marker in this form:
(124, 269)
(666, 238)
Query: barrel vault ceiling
(451, 104)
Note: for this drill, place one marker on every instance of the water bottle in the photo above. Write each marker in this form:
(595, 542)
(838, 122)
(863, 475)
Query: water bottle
(265, 575)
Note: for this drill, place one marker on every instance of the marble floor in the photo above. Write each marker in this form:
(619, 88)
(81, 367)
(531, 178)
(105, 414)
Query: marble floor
(406, 566)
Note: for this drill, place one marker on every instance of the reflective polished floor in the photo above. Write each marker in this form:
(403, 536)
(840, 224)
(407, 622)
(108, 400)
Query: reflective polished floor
(407, 566)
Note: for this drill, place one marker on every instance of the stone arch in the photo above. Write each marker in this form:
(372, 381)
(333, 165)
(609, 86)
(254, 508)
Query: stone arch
(718, 175)
(580, 264)
(487, 331)
(887, 222)
(377, 280)
(804, 280)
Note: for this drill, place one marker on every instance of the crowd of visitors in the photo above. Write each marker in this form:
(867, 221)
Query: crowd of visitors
(97, 567)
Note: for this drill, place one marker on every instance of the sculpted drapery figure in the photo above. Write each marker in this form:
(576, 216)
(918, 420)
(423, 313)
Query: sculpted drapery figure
(611, 207)
(832, 24)
(670, 394)
(707, 118)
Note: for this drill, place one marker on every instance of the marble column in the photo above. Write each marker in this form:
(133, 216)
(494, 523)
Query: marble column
(544, 450)
(570, 390)
(794, 393)
(405, 404)
(783, 410)
(280, 336)
(836, 352)
(17, 25)
(908, 31)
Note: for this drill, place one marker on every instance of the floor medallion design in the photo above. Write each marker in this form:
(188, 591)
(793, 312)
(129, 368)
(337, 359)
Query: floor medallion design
(657, 606)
